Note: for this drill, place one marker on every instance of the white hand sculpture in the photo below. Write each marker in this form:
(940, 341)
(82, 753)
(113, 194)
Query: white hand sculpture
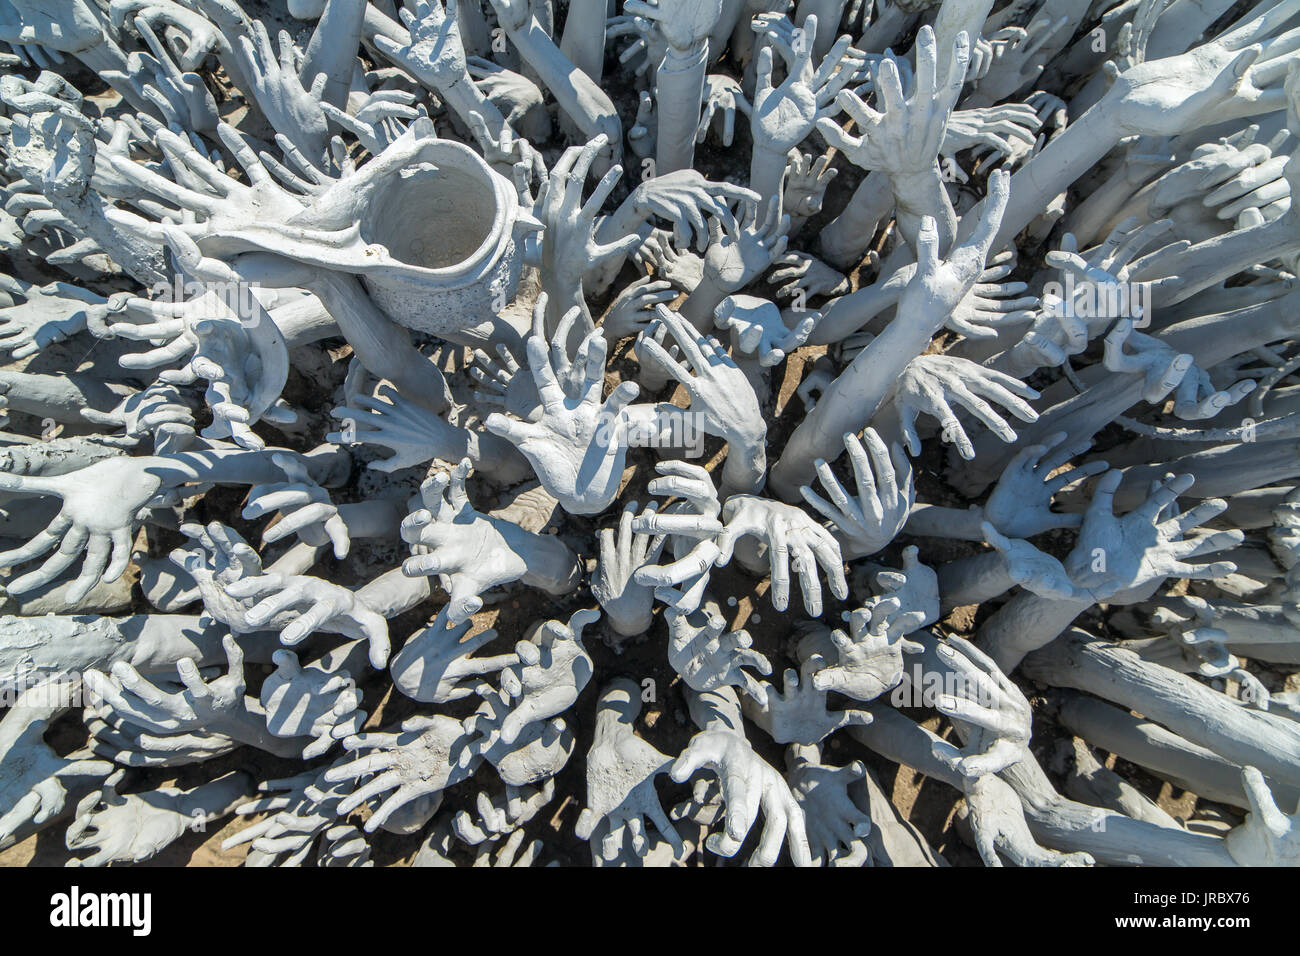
(540, 751)
(866, 523)
(289, 107)
(390, 421)
(305, 508)
(1145, 546)
(47, 314)
(552, 670)
(862, 664)
(33, 778)
(806, 182)
(659, 256)
(799, 714)
(627, 603)
(301, 809)
(139, 826)
(579, 445)
(569, 243)
(792, 540)
(310, 702)
(757, 329)
(748, 784)
(683, 23)
(497, 815)
(417, 763)
(196, 705)
(1020, 505)
(733, 261)
(435, 53)
(992, 304)
(102, 504)
(993, 714)
(692, 527)
(785, 115)
(997, 818)
(1008, 129)
(722, 97)
(930, 382)
(706, 658)
(299, 605)
(435, 665)
(471, 552)
(685, 198)
(634, 308)
(836, 827)
(158, 412)
(621, 770)
(719, 391)
(806, 275)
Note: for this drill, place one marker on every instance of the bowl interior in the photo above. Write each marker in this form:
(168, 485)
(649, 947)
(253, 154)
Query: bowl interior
(433, 217)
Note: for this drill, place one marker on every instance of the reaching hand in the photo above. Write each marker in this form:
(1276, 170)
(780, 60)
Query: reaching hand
(1118, 558)
(469, 552)
(299, 605)
(793, 540)
(416, 764)
(992, 713)
(748, 783)
(708, 659)
(799, 714)
(101, 505)
(579, 446)
(310, 702)
(866, 523)
(758, 331)
(435, 666)
(304, 507)
(621, 769)
(553, 669)
(837, 828)
(1021, 503)
(627, 603)
(930, 381)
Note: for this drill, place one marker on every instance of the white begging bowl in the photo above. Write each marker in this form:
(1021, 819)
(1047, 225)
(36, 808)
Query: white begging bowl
(451, 221)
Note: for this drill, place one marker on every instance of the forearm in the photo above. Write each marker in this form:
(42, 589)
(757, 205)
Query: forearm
(936, 521)
(1024, 624)
(393, 593)
(974, 580)
(218, 798)
(745, 469)
(332, 49)
(551, 565)
(1112, 838)
(766, 172)
(381, 345)
(846, 315)
(849, 403)
(1184, 705)
(304, 321)
(328, 466)
(247, 725)
(1186, 765)
(584, 36)
(923, 194)
(699, 307)
(59, 397)
(577, 94)
(152, 643)
(680, 90)
(849, 235)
